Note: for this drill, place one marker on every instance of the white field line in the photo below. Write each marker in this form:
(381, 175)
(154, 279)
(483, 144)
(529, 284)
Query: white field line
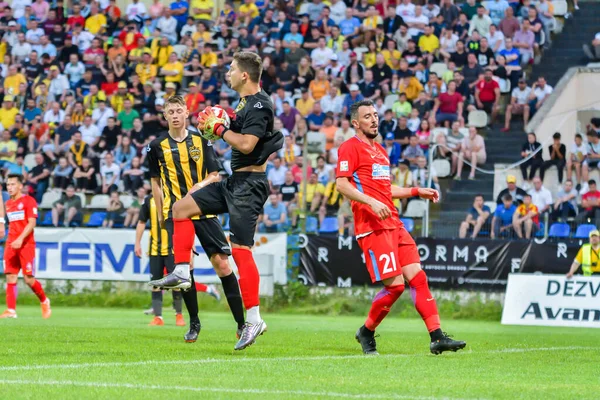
(276, 359)
(172, 389)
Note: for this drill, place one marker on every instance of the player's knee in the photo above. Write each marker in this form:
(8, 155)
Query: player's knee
(220, 264)
(29, 280)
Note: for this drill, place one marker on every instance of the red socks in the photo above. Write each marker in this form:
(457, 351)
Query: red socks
(382, 303)
(200, 287)
(424, 301)
(183, 240)
(11, 296)
(249, 277)
(39, 291)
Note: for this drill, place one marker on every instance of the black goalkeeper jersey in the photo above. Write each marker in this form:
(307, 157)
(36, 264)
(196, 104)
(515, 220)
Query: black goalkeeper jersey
(255, 115)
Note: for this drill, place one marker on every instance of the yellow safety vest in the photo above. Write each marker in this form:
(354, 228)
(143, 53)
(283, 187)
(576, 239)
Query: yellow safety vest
(586, 265)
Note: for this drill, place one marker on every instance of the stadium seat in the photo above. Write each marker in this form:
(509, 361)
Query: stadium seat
(464, 131)
(312, 224)
(409, 224)
(478, 119)
(415, 209)
(492, 205)
(49, 198)
(389, 101)
(47, 219)
(82, 198)
(96, 219)
(179, 49)
(542, 231)
(559, 230)
(99, 201)
(127, 200)
(439, 68)
(29, 161)
(303, 8)
(329, 225)
(442, 168)
(560, 7)
(583, 231)
(436, 131)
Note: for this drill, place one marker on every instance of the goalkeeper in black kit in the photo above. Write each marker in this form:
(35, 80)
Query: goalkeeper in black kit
(242, 195)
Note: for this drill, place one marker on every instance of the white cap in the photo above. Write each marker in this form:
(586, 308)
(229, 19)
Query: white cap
(159, 102)
(334, 57)
(354, 87)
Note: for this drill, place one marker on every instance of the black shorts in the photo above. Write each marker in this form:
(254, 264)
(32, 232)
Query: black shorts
(158, 265)
(488, 106)
(210, 234)
(242, 195)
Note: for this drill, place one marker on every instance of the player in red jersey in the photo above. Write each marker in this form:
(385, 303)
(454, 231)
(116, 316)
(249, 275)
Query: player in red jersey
(19, 252)
(391, 255)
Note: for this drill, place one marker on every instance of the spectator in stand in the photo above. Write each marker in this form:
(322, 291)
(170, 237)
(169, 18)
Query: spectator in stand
(412, 152)
(577, 157)
(290, 151)
(401, 107)
(331, 202)
(515, 192)
(288, 192)
(85, 177)
(424, 135)
(540, 91)
(558, 155)
(276, 175)
(316, 118)
(355, 96)
(593, 153)
(133, 175)
(592, 50)
(472, 150)
(476, 218)
(487, 95)
(39, 177)
(540, 196)
(61, 175)
(454, 140)
(124, 153)
(527, 216)
(524, 42)
(471, 71)
(590, 204)
(496, 39)
(519, 104)
(565, 205)
(90, 133)
(393, 148)
(502, 222)
(448, 107)
(110, 173)
(68, 207)
(480, 22)
(275, 215)
(133, 212)
(535, 162)
(114, 212)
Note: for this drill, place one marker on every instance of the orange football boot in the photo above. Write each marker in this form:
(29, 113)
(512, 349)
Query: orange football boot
(9, 314)
(46, 311)
(179, 321)
(157, 321)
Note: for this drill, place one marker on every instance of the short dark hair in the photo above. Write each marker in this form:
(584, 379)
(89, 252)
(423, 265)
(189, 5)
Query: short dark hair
(578, 135)
(556, 135)
(591, 182)
(250, 63)
(354, 108)
(507, 197)
(18, 177)
(479, 195)
(527, 195)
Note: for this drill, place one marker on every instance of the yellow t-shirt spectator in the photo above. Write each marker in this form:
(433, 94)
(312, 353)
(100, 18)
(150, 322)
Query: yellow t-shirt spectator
(203, 5)
(93, 24)
(117, 101)
(318, 89)
(137, 52)
(208, 59)
(372, 22)
(146, 72)
(7, 117)
(9, 147)
(204, 37)
(429, 44)
(92, 101)
(161, 54)
(369, 59)
(11, 83)
(249, 8)
(176, 66)
(412, 88)
(304, 107)
(392, 58)
(311, 190)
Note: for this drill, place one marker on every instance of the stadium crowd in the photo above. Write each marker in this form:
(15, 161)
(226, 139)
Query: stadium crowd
(83, 87)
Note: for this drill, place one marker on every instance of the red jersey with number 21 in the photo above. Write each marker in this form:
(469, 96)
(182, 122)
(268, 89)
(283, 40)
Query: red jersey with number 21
(18, 212)
(368, 168)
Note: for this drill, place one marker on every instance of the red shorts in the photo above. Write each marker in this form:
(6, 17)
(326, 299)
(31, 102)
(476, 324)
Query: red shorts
(387, 251)
(16, 260)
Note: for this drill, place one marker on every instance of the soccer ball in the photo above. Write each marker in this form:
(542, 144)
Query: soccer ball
(222, 118)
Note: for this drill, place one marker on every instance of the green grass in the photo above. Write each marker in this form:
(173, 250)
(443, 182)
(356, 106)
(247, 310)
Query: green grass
(83, 353)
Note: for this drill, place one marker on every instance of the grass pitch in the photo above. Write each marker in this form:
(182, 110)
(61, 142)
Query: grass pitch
(112, 354)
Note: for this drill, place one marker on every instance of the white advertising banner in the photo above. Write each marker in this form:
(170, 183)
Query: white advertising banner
(108, 254)
(552, 300)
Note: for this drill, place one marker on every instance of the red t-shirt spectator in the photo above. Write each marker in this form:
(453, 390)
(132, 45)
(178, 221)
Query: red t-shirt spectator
(297, 172)
(487, 90)
(94, 53)
(130, 39)
(591, 197)
(109, 88)
(73, 20)
(449, 102)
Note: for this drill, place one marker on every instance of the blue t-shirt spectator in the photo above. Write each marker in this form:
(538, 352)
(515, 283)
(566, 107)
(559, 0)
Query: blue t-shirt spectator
(214, 95)
(313, 118)
(475, 214)
(178, 5)
(347, 26)
(348, 101)
(30, 114)
(505, 215)
(296, 37)
(513, 51)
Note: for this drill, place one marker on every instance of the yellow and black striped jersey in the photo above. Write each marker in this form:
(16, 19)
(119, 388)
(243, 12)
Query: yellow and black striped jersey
(159, 238)
(334, 197)
(180, 165)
